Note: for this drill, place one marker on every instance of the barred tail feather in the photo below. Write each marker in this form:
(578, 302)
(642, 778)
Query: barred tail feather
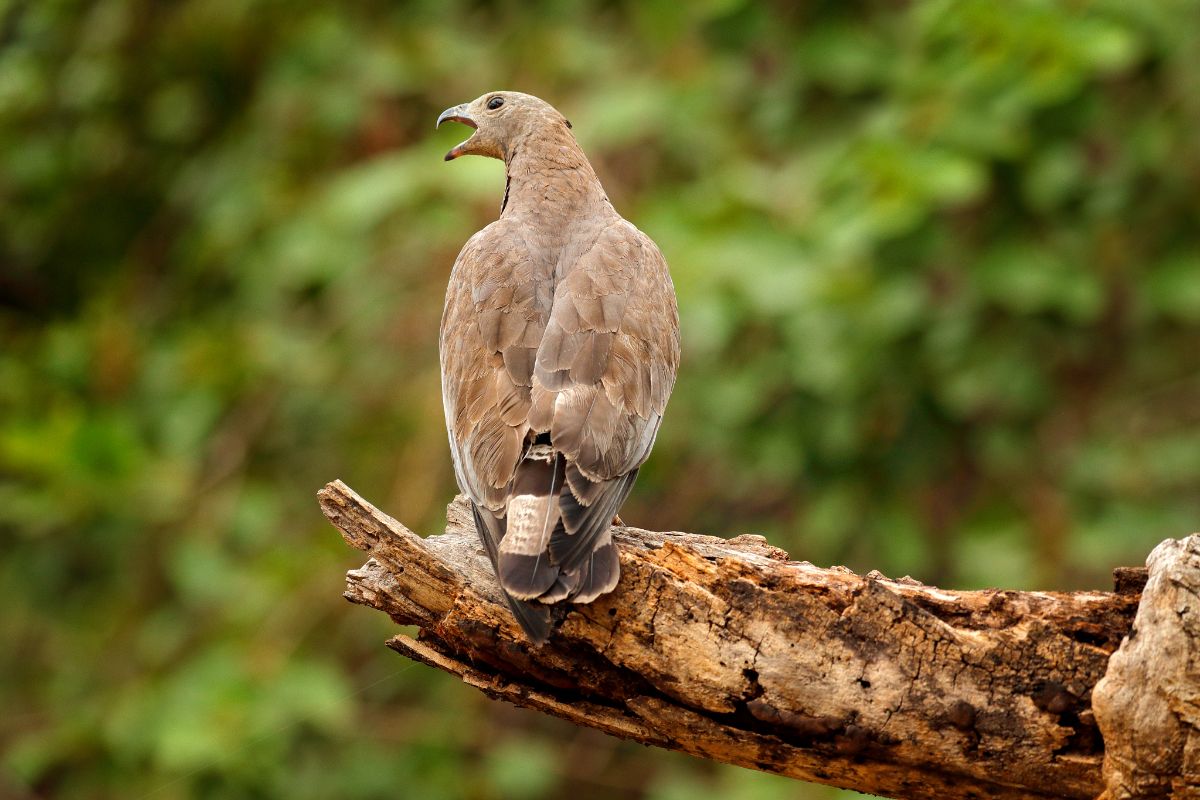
(602, 571)
(524, 566)
(533, 618)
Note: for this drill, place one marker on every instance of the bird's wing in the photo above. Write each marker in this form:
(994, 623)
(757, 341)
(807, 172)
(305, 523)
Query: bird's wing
(604, 370)
(496, 311)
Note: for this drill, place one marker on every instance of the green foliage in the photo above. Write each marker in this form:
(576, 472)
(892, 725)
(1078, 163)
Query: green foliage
(939, 276)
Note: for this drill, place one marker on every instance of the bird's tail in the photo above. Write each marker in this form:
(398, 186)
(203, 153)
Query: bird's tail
(534, 618)
(523, 564)
(553, 541)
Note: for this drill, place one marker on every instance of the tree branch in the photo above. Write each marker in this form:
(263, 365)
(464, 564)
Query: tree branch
(727, 650)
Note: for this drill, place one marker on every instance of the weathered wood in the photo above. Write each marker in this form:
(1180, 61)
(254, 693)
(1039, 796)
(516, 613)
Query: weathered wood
(727, 650)
(1148, 704)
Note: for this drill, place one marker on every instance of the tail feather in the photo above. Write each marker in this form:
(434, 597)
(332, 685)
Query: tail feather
(524, 566)
(564, 588)
(584, 525)
(533, 618)
(600, 574)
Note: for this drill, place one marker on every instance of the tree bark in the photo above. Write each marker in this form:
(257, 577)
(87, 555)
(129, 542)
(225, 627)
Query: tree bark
(727, 650)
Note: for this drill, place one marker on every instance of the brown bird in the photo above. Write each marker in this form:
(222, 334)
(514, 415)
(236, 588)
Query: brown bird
(559, 346)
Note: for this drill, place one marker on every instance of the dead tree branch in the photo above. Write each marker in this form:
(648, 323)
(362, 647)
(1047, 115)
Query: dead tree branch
(727, 650)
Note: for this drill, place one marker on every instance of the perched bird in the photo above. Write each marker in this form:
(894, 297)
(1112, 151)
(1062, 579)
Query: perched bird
(559, 346)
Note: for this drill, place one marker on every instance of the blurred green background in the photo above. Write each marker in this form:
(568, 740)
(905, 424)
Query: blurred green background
(938, 266)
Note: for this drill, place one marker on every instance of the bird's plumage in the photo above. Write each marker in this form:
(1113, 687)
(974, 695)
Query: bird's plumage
(559, 347)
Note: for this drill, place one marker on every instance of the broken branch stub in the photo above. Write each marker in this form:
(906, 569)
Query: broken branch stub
(1148, 704)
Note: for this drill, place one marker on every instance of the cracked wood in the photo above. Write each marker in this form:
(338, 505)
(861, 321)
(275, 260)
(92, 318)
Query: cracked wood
(727, 650)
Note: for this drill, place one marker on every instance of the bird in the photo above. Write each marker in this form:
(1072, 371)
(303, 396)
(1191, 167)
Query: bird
(559, 347)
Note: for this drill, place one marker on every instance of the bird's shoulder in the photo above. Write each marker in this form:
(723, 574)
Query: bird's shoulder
(619, 249)
(496, 244)
(622, 262)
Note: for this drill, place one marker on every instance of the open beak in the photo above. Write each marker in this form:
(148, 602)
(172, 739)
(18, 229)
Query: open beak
(456, 114)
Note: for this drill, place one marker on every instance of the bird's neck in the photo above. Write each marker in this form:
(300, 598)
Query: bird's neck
(550, 180)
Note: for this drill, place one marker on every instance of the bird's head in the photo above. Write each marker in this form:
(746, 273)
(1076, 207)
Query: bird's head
(501, 121)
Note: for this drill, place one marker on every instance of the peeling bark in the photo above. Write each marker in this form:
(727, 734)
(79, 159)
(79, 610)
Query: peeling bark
(727, 650)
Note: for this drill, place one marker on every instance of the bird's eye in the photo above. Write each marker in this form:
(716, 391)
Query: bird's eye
(495, 103)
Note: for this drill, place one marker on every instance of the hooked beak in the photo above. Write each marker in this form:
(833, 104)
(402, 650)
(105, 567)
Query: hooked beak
(456, 114)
